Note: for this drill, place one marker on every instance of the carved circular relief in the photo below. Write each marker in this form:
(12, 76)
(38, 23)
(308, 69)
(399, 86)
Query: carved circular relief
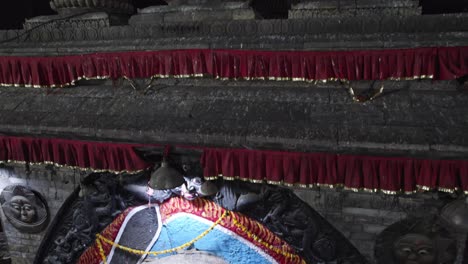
(24, 208)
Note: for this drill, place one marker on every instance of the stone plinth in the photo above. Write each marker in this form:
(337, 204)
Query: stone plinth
(347, 8)
(192, 11)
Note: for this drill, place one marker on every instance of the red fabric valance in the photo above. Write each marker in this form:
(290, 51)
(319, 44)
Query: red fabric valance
(438, 63)
(93, 156)
(387, 174)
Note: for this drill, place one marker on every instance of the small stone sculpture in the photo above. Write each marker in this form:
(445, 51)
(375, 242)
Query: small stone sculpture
(24, 208)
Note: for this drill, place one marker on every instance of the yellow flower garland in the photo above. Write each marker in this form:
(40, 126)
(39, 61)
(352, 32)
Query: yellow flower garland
(100, 238)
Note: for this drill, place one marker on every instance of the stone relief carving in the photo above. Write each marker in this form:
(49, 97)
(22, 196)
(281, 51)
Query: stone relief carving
(278, 208)
(103, 197)
(100, 200)
(416, 240)
(24, 208)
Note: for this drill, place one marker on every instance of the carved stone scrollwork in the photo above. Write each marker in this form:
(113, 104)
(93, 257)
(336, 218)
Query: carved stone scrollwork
(24, 208)
(116, 6)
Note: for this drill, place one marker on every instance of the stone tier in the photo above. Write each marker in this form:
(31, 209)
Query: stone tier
(76, 6)
(191, 12)
(346, 8)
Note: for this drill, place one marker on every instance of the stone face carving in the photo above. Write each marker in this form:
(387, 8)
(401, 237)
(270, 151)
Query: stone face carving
(118, 6)
(416, 240)
(414, 247)
(24, 208)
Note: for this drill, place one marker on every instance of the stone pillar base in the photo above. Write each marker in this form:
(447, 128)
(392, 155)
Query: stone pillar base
(192, 13)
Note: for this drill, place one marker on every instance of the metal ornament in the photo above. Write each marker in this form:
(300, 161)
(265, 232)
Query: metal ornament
(456, 214)
(165, 178)
(208, 188)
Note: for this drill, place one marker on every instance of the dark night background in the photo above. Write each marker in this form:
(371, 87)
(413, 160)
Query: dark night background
(13, 13)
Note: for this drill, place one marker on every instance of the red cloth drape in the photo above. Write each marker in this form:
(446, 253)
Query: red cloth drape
(387, 174)
(439, 63)
(97, 156)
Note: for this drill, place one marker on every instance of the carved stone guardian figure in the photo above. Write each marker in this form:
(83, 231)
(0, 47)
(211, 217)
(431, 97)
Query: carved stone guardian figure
(24, 208)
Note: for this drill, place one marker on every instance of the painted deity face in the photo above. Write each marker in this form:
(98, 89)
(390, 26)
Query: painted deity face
(191, 189)
(415, 249)
(22, 209)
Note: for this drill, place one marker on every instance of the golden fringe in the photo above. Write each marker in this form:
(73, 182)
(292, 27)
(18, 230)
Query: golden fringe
(202, 75)
(336, 186)
(71, 167)
(73, 82)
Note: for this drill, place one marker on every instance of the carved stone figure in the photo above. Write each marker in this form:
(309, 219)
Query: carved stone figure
(416, 241)
(24, 208)
(101, 199)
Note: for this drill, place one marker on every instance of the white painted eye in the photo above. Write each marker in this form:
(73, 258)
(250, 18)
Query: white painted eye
(407, 250)
(196, 180)
(423, 252)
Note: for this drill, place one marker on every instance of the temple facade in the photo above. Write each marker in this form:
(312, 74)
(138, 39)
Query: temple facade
(225, 131)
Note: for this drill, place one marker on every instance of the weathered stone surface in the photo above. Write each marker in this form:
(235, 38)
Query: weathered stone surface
(4, 254)
(81, 35)
(194, 11)
(68, 6)
(317, 8)
(406, 120)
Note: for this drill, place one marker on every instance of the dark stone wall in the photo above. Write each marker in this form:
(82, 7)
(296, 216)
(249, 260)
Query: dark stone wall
(361, 217)
(22, 247)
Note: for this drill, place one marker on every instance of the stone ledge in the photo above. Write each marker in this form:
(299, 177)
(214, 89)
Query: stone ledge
(259, 115)
(448, 28)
